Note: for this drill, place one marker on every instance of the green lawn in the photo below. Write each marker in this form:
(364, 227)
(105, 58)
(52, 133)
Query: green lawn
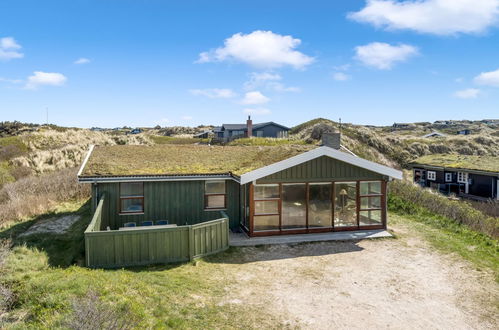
(45, 274)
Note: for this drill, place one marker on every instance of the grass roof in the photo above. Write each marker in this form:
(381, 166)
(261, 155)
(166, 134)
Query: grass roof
(480, 163)
(122, 160)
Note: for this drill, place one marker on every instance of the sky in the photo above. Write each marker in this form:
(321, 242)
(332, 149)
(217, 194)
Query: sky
(110, 63)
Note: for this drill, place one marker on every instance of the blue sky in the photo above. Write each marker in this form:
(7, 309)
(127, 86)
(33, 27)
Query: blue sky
(141, 63)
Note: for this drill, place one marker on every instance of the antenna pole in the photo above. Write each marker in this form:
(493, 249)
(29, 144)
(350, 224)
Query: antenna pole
(340, 125)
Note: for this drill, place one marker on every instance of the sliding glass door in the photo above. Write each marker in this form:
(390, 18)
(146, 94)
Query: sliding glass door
(294, 206)
(320, 213)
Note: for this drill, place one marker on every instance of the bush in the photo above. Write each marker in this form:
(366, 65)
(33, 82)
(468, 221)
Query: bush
(33, 195)
(90, 312)
(7, 297)
(410, 198)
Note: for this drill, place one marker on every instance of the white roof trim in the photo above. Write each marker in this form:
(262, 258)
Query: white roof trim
(86, 159)
(316, 153)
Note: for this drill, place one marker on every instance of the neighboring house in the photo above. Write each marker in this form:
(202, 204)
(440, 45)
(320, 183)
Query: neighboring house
(434, 134)
(194, 191)
(474, 177)
(269, 129)
(464, 132)
(136, 131)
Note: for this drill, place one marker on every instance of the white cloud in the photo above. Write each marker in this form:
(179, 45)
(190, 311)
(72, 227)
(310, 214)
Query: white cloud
(257, 111)
(268, 80)
(82, 60)
(470, 93)
(9, 49)
(254, 98)
(40, 78)
(262, 49)
(278, 87)
(383, 56)
(258, 79)
(186, 117)
(490, 78)
(440, 17)
(11, 81)
(341, 76)
(214, 93)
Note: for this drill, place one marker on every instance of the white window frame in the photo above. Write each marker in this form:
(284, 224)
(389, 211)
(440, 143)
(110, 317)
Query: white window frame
(462, 177)
(448, 177)
(431, 175)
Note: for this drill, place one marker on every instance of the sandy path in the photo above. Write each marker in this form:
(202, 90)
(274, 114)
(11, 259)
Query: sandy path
(392, 284)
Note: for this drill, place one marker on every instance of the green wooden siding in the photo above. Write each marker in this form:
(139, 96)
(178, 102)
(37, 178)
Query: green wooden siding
(322, 169)
(125, 248)
(179, 202)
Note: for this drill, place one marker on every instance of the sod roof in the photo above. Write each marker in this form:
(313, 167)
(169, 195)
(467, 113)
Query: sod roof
(125, 160)
(478, 163)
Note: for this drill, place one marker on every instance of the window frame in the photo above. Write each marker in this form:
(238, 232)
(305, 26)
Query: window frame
(431, 175)
(121, 198)
(207, 195)
(381, 195)
(267, 199)
(448, 177)
(462, 177)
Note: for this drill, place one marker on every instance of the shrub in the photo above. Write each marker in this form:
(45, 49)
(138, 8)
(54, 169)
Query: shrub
(411, 198)
(34, 195)
(7, 297)
(90, 312)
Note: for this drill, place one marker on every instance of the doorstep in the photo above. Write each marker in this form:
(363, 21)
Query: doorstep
(241, 239)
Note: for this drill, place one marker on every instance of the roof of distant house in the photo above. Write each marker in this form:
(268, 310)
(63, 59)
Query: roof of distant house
(478, 163)
(255, 126)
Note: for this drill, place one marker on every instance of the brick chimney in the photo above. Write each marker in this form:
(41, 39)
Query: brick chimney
(249, 126)
(331, 140)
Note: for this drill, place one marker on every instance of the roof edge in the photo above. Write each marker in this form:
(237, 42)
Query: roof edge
(315, 153)
(85, 160)
(144, 178)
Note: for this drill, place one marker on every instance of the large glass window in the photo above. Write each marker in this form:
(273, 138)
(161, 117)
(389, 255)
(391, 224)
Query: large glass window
(214, 194)
(294, 206)
(319, 205)
(345, 204)
(370, 213)
(131, 197)
(266, 201)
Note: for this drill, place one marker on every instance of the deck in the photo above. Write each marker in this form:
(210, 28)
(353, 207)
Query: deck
(241, 239)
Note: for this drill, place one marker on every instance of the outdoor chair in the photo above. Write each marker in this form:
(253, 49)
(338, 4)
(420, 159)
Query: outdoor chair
(130, 224)
(146, 223)
(162, 222)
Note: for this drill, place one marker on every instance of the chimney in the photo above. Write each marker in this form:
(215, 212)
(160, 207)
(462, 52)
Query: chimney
(249, 126)
(331, 140)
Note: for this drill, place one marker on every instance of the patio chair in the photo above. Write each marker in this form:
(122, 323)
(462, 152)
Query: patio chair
(130, 224)
(146, 223)
(162, 222)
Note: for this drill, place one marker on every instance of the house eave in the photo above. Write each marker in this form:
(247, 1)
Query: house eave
(151, 178)
(454, 169)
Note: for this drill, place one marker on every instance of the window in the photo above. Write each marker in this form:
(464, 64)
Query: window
(131, 197)
(370, 213)
(282, 134)
(431, 175)
(462, 177)
(267, 198)
(214, 195)
(320, 211)
(345, 204)
(448, 177)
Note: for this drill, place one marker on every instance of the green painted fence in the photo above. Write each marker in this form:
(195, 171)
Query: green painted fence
(146, 246)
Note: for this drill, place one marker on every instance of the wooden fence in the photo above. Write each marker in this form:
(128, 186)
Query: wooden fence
(146, 246)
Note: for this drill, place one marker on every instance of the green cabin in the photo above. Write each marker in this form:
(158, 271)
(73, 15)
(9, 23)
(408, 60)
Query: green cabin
(169, 203)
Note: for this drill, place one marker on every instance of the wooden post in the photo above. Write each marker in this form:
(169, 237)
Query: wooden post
(191, 244)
